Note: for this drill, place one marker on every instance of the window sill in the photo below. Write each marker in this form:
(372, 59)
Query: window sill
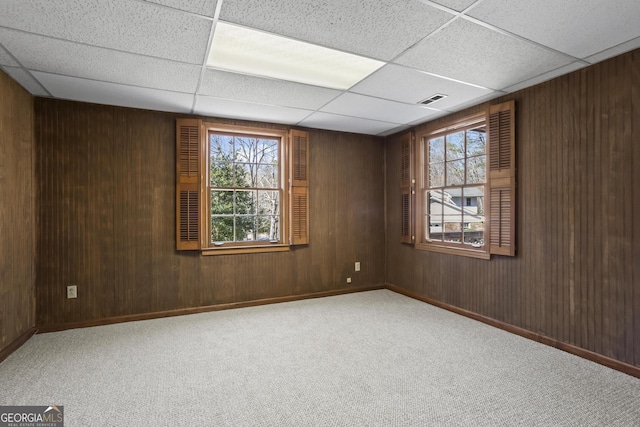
(471, 253)
(235, 250)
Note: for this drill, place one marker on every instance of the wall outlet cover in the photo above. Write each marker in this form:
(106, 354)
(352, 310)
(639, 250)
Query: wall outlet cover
(72, 291)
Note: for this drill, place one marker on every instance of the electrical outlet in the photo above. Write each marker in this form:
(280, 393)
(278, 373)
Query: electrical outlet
(357, 265)
(348, 279)
(72, 291)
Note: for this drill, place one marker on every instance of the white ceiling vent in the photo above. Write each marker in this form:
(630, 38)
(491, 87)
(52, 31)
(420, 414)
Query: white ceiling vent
(432, 99)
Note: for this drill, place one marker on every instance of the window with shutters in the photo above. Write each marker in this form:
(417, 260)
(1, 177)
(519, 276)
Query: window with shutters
(466, 186)
(240, 189)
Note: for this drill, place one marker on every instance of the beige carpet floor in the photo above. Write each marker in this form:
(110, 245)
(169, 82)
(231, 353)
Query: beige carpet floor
(367, 359)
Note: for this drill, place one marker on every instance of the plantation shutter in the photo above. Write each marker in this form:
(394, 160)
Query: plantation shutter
(502, 179)
(188, 184)
(407, 189)
(299, 191)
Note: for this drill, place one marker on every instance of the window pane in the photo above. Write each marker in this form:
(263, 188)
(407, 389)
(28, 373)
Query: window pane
(452, 228)
(455, 146)
(476, 139)
(436, 175)
(455, 172)
(268, 202)
(434, 217)
(245, 149)
(267, 151)
(246, 202)
(221, 175)
(222, 229)
(474, 216)
(245, 175)
(220, 148)
(268, 228)
(452, 215)
(476, 170)
(267, 176)
(221, 202)
(436, 150)
(245, 228)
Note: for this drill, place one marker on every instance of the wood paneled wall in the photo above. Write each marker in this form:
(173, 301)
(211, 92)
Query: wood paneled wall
(576, 276)
(107, 220)
(17, 212)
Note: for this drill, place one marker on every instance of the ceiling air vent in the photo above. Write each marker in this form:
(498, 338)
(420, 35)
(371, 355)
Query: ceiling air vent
(432, 99)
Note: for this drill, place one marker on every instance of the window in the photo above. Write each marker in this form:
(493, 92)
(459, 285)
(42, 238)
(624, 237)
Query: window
(461, 193)
(455, 170)
(245, 188)
(240, 189)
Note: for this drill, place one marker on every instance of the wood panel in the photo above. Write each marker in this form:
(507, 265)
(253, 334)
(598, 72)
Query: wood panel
(17, 215)
(575, 277)
(635, 109)
(108, 217)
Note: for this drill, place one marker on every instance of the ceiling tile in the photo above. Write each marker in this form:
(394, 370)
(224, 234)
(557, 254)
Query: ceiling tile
(546, 76)
(366, 107)
(26, 80)
(6, 59)
(614, 51)
(381, 29)
(577, 27)
(474, 102)
(114, 94)
(458, 5)
(209, 106)
(475, 54)
(431, 118)
(132, 26)
(404, 84)
(346, 124)
(150, 53)
(77, 60)
(242, 87)
(201, 7)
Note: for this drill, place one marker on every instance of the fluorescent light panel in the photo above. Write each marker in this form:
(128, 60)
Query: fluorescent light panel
(247, 51)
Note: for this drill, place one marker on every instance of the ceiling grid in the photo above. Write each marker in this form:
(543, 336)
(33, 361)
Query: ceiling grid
(154, 54)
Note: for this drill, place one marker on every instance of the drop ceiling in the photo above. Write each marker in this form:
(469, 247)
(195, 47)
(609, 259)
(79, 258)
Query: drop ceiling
(153, 54)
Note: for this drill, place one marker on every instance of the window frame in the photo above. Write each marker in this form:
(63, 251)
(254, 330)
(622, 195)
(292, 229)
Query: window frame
(208, 247)
(422, 197)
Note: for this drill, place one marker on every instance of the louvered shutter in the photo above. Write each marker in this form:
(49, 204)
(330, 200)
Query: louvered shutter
(299, 190)
(502, 179)
(188, 184)
(407, 188)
